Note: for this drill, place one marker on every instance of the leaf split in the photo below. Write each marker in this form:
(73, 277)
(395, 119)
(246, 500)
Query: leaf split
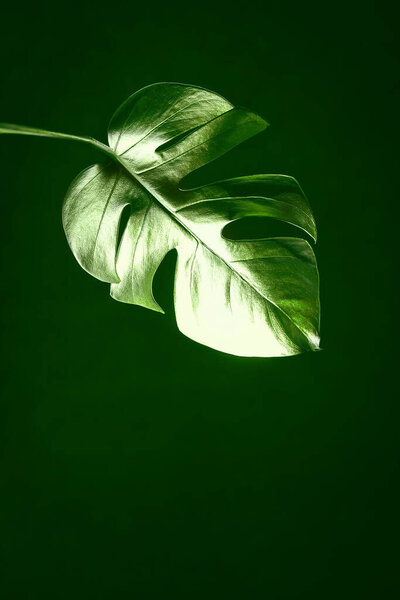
(249, 297)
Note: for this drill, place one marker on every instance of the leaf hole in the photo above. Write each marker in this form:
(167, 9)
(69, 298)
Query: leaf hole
(178, 138)
(123, 222)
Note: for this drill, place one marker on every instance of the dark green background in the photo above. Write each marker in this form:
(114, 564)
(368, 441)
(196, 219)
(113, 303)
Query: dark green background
(136, 463)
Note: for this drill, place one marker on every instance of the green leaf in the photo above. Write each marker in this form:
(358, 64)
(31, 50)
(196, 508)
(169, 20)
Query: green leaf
(248, 297)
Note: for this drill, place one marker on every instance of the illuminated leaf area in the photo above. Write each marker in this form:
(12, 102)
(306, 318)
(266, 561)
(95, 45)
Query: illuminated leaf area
(252, 297)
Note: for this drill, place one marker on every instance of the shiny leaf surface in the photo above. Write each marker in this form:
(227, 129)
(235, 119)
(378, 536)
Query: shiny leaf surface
(249, 297)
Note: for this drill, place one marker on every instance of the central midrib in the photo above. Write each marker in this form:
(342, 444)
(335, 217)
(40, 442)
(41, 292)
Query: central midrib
(158, 200)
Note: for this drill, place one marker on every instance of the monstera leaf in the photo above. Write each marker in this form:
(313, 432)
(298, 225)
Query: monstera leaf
(249, 297)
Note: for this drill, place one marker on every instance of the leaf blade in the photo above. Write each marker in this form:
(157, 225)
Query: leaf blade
(250, 298)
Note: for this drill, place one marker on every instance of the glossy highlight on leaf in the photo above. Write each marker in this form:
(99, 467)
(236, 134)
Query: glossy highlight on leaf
(248, 297)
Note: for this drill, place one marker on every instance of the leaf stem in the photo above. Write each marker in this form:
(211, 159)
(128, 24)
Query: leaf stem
(21, 130)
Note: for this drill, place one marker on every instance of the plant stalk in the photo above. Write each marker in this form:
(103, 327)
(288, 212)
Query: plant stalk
(20, 130)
